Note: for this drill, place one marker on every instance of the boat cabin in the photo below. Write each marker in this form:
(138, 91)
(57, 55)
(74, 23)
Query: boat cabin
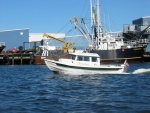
(82, 59)
(91, 59)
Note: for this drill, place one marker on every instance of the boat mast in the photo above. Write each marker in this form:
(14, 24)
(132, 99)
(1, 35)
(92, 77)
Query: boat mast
(95, 23)
(91, 7)
(92, 25)
(98, 18)
(98, 24)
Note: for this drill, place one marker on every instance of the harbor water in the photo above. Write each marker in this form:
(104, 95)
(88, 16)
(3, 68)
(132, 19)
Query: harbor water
(35, 89)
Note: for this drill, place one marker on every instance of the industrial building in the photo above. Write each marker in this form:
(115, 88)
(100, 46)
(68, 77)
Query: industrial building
(22, 38)
(14, 38)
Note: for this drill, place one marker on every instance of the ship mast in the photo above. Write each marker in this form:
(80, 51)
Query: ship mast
(95, 23)
(99, 31)
(91, 7)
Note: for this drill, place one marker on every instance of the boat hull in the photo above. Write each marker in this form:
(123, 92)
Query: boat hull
(55, 66)
(119, 55)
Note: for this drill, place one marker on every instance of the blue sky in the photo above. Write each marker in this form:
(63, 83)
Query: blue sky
(51, 15)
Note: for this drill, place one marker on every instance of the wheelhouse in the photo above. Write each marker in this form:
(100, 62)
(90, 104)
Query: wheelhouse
(90, 57)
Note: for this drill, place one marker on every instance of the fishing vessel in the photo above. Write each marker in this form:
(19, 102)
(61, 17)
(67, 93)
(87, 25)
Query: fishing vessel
(113, 46)
(83, 63)
(2, 46)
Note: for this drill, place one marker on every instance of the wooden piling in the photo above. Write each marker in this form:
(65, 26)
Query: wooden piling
(21, 59)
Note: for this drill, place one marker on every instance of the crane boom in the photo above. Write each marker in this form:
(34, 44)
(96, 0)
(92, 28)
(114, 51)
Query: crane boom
(66, 44)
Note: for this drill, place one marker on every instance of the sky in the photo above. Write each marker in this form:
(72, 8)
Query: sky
(51, 16)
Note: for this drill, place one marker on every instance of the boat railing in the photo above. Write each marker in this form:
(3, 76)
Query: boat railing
(136, 43)
(2, 43)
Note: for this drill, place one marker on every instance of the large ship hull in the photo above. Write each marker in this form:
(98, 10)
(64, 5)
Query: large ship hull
(119, 55)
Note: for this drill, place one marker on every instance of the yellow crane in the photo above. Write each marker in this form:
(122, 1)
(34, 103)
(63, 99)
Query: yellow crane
(66, 46)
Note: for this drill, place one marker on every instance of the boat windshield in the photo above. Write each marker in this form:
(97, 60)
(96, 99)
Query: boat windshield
(83, 58)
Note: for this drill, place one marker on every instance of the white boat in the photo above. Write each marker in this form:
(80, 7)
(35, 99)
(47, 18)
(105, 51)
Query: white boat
(83, 63)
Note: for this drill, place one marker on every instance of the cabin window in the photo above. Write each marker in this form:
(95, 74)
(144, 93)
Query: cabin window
(94, 59)
(73, 57)
(80, 58)
(86, 58)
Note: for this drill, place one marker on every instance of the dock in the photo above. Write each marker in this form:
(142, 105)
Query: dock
(16, 59)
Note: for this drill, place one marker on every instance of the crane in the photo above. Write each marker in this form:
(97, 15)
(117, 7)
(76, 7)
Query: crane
(66, 44)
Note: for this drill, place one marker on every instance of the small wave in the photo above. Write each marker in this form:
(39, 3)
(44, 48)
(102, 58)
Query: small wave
(142, 71)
